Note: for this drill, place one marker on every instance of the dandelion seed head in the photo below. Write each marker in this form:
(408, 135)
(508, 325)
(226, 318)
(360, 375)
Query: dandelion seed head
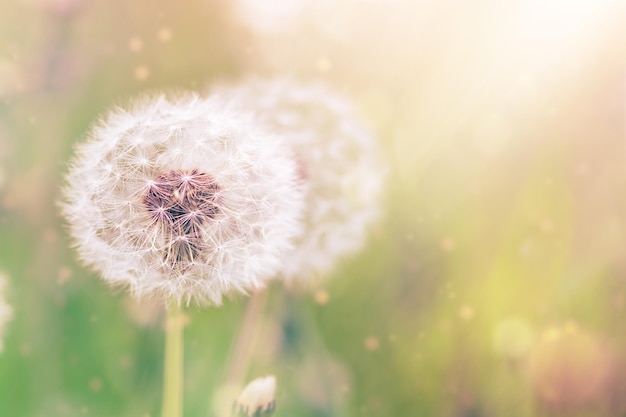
(338, 164)
(180, 198)
(257, 398)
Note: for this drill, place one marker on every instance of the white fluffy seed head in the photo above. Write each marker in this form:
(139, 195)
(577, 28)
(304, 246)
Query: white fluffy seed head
(182, 198)
(257, 398)
(340, 168)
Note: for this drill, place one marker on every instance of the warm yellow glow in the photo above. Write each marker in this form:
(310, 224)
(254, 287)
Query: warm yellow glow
(559, 20)
(270, 17)
(513, 337)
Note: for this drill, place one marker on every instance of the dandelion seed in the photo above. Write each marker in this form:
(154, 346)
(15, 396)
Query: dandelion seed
(257, 398)
(339, 168)
(190, 214)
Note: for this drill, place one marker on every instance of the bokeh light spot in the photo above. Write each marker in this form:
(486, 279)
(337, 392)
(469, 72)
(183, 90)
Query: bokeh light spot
(142, 73)
(135, 44)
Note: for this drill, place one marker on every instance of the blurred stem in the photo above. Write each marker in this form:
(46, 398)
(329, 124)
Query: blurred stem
(239, 360)
(173, 367)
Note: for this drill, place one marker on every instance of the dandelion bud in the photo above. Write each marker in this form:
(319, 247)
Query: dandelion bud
(339, 167)
(183, 199)
(257, 398)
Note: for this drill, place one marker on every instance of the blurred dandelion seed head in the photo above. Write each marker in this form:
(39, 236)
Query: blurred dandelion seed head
(182, 198)
(339, 167)
(571, 368)
(257, 398)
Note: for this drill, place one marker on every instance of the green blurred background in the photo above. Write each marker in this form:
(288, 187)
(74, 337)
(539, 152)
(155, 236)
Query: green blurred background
(495, 284)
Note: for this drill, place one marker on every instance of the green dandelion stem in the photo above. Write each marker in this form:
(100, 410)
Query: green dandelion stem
(173, 367)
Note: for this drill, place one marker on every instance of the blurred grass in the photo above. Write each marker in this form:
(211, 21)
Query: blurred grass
(505, 202)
